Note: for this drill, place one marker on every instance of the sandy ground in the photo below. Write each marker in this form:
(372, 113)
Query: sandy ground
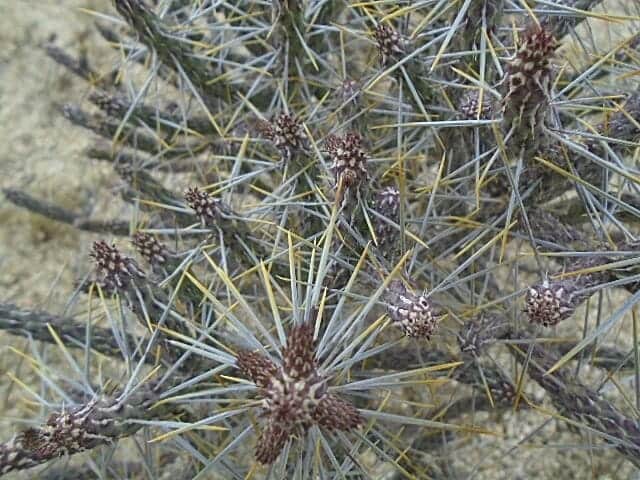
(41, 153)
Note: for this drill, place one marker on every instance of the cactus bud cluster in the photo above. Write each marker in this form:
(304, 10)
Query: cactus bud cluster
(285, 132)
(528, 79)
(414, 314)
(349, 159)
(551, 302)
(389, 42)
(150, 248)
(294, 394)
(114, 271)
(206, 206)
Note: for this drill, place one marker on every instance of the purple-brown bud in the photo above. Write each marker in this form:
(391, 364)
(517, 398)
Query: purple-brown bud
(150, 248)
(414, 314)
(285, 132)
(549, 303)
(114, 271)
(529, 76)
(387, 204)
(471, 108)
(349, 159)
(206, 206)
(389, 42)
(294, 394)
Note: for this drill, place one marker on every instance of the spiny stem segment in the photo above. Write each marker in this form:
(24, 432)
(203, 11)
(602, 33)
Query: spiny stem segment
(101, 421)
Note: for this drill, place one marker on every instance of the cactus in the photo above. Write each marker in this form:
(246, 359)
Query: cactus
(345, 222)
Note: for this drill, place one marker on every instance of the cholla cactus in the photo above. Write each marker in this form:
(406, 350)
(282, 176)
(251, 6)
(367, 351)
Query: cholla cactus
(580, 403)
(80, 427)
(477, 335)
(295, 394)
(387, 205)
(111, 105)
(470, 107)
(264, 319)
(64, 433)
(553, 301)
(150, 248)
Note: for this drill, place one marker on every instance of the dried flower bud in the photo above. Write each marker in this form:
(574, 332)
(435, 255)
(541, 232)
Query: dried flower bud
(285, 132)
(389, 42)
(204, 204)
(471, 109)
(64, 432)
(293, 395)
(114, 270)
(299, 356)
(414, 314)
(387, 202)
(75, 429)
(150, 248)
(549, 303)
(349, 159)
(528, 77)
